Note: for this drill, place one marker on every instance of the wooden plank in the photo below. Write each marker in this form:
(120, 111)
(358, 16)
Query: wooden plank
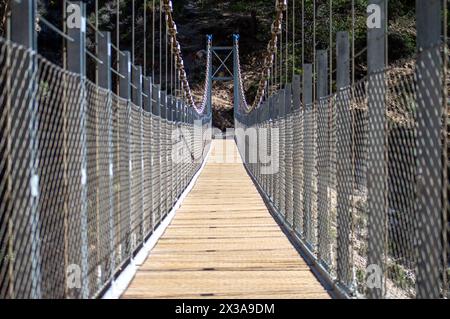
(223, 243)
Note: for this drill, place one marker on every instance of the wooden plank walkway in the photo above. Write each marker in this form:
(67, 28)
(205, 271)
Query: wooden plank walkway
(223, 243)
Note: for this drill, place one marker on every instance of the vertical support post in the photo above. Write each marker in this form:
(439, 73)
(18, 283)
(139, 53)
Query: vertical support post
(148, 149)
(105, 81)
(169, 149)
(136, 95)
(163, 179)
(125, 79)
(272, 137)
(429, 70)
(324, 253)
(147, 90)
(297, 157)
(137, 152)
(276, 137)
(170, 103)
(235, 75)
(377, 168)
(210, 75)
(178, 146)
(280, 203)
(125, 145)
(344, 159)
(104, 54)
(186, 141)
(308, 141)
(23, 166)
(76, 62)
(289, 154)
(157, 154)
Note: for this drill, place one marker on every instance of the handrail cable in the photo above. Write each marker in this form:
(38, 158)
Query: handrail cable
(55, 29)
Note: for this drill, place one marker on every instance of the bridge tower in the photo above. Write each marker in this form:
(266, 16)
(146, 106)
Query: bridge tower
(220, 69)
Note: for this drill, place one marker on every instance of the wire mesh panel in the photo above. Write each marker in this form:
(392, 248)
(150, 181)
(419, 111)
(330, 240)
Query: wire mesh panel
(401, 171)
(100, 192)
(323, 165)
(309, 176)
(275, 176)
(124, 184)
(163, 161)
(135, 175)
(332, 185)
(289, 158)
(281, 197)
(52, 141)
(330, 148)
(156, 169)
(147, 174)
(80, 179)
(25, 97)
(359, 163)
(298, 171)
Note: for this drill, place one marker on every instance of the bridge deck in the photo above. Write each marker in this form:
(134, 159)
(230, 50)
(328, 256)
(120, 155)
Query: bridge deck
(223, 243)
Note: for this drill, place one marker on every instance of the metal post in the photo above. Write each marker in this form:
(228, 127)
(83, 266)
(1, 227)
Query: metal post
(147, 90)
(125, 71)
(104, 54)
(323, 157)
(429, 70)
(169, 152)
(276, 137)
(344, 159)
(23, 165)
(125, 145)
(289, 208)
(235, 76)
(157, 153)
(105, 81)
(210, 75)
(280, 203)
(308, 141)
(163, 178)
(148, 149)
(136, 95)
(297, 159)
(377, 168)
(170, 104)
(178, 141)
(271, 137)
(76, 62)
(137, 152)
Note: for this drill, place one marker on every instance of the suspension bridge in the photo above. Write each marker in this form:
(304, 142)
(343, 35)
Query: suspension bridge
(113, 186)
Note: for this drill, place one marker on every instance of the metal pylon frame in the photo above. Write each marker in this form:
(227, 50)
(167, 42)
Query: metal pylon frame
(231, 74)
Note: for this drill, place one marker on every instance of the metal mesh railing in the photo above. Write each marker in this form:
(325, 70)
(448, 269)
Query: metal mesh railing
(358, 162)
(86, 177)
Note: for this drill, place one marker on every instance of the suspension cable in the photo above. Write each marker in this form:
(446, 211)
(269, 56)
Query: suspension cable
(166, 62)
(96, 39)
(179, 63)
(303, 33)
(280, 79)
(160, 43)
(287, 43)
(153, 40)
(118, 39)
(133, 18)
(353, 42)
(145, 38)
(270, 55)
(314, 50)
(330, 87)
(293, 39)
